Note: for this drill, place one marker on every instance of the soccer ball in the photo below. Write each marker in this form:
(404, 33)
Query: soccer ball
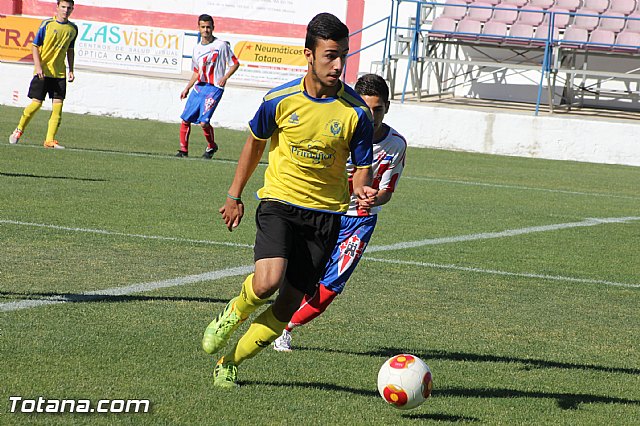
(404, 381)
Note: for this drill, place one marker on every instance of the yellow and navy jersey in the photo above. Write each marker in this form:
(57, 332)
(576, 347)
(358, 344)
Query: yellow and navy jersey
(311, 140)
(54, 39)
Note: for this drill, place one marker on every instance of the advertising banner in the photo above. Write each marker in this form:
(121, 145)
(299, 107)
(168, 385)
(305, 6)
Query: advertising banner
(129, 47)
(16, 38)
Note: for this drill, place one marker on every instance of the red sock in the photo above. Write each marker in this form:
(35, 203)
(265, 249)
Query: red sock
(311, 307)
(208, 135)
(185, 130)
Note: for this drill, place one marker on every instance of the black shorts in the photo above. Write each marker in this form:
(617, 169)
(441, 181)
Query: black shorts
(56, 88)
(304, 237)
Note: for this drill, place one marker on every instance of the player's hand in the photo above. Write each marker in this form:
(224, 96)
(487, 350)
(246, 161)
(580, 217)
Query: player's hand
(40, 73)
(71, 77)
(367, 197)
(232, 213)
(184, 93)
(222, 82)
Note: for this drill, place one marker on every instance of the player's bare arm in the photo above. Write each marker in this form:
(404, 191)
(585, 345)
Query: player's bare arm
(71, 56)
(37, 61)
(192, 81)
(233, 208)
(232, 69)
(362, 188)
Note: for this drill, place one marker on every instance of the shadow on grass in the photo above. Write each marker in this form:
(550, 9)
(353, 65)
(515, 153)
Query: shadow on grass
(462, 356)
(565, 401)
(28, 175)
(440, 417)
(83, 298)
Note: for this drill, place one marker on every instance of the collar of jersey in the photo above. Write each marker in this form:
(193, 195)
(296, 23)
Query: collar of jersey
(321, 100)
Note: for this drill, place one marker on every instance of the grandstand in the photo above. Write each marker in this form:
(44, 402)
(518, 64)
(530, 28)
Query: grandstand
(561, 74)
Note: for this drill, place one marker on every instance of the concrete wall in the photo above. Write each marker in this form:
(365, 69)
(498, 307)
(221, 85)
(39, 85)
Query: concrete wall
(503, 133)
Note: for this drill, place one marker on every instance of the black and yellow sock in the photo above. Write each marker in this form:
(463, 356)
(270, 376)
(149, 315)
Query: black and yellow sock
(264, 330)
(54, 121)
(28, 113)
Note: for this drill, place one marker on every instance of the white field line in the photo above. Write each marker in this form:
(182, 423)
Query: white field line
(135, 288)
(243, 270)
(501, 234)
(122, 234)
(524, 188)
(510, 274)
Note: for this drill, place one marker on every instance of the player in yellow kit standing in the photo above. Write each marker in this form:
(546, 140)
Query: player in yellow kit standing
(53, 43)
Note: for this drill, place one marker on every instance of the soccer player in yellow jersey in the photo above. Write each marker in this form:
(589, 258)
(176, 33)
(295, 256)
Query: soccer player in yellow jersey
(53, 43)
(314, 124)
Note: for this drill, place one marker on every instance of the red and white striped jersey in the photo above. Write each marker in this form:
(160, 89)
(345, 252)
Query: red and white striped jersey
(210, 61)
(388, 163)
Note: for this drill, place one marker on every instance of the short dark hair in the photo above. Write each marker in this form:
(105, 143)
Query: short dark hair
(66, 1)
(324, 26)
(206, 18)
(372, 85)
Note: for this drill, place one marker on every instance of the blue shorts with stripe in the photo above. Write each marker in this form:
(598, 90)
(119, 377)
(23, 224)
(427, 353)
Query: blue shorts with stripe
(355, 233)
(201, 103)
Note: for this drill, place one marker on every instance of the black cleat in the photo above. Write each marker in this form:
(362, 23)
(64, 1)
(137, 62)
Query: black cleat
(182, 154)
(208, 153)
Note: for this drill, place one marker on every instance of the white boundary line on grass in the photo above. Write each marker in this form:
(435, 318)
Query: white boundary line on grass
(524, 188)
(123, 234)
(243, 270)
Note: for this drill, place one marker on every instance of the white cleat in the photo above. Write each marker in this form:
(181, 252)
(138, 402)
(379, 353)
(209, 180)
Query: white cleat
(283, 343)
(15, 137)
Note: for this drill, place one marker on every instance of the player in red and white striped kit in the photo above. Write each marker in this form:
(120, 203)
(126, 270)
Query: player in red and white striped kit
(211, 58)
(357, 226)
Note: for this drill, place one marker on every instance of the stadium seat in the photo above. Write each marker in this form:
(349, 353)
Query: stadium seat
(481, 12)
(531, 15)
(570, 5)
(494, 31)
(627, 42)
(492, 2)
(542, 33)
(506, 15)
(574, 37)
(520, 34)
(634, 23)
(542, 4)
(626, 7)
(561, 17)
(586, 18)
(455, 9)
(468, 29)
(597, 5)
(612, 21)
(602, 39)
(442, 27)
(517, 3)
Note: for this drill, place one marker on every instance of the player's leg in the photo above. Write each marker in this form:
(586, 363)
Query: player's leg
(264, 329)
(57, 89)
(271, 250)
(211, 101)
(355, 234)
(310, 308)
(37, 94)
(189, 115)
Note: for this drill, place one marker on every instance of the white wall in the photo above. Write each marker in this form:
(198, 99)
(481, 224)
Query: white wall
(503, 133)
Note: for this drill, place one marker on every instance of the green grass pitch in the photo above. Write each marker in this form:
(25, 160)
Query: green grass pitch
(516, 280)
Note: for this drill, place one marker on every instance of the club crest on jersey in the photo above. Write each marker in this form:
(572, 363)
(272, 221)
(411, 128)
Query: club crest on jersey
(294, 119)
(350, 250)
(333, 128)
(209, 103)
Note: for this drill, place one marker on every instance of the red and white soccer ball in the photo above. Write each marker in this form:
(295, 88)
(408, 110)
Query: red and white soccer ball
(404, 381)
